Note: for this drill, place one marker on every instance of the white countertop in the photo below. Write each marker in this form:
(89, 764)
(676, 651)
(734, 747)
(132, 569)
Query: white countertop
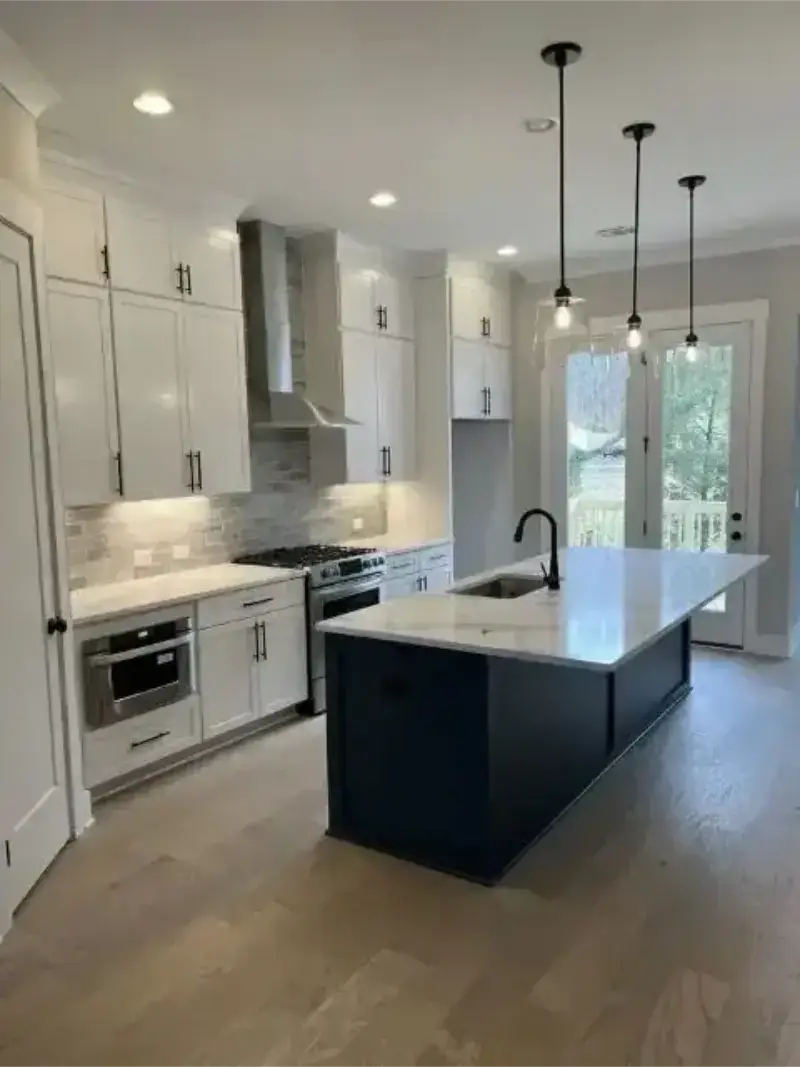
(612, 603)
(142, 594)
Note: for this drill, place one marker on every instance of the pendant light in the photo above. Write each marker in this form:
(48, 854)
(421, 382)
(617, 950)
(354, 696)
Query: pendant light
(637, 132)
(691, 182)
(560, 55)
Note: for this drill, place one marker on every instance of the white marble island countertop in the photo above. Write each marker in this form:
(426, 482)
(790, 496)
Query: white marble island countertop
(612, 603)
(141, 594)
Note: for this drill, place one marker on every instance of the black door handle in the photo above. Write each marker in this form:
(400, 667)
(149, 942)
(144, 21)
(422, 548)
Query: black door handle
(257, 653)
(489, 395)
(199, 469)
(485, 408)
(736, 516)
(736, 536)
(104, 257)
(190, 457)
(120, 483)
(188, 269)
(384, 471)
(56, 625)
(263, 627)
(389, 460)
(179, 272)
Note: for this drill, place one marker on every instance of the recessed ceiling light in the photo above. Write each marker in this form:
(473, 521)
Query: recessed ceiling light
(152, 103)
(540, 125)
(615, 231)
(507, 250)
(384, 199)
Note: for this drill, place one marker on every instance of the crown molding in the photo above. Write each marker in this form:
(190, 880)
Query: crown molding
(22, 80)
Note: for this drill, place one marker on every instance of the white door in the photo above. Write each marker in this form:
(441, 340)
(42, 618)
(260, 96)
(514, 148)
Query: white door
(497, 376)
(86, 403)
(227, 663)
(397, 419)
(470, 308)
(74, 233)
(360, 387)
(211, 254)
(141, 256)
(468, 380)
(696, 469)
(437, 580)
(394, 296)
(282, 671)
(33, 802)
(357, 303)
(212, 360)
(147, 333)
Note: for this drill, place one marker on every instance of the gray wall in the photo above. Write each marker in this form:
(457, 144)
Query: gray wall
(773, 275)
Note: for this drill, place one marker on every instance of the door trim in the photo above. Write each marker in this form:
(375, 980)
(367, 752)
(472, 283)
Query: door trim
(25, 214)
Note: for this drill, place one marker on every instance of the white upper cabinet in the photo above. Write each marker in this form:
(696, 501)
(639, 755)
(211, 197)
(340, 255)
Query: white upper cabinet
(74, 233)
(396, 381)
(394, 308)
(209, 259)
(212, 351)
(480, 309)
(86, 406)
(357, 306)
(375, 293)
(360, 389)
(147, 334)
(140, 247)
(481, 381)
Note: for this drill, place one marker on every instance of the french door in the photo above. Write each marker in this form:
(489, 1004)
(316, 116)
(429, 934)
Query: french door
(653, 452)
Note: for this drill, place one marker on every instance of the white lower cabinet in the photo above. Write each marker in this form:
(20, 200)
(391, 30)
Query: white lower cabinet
(252, 668)
(395, 588)
(424, 570)
(437, 580)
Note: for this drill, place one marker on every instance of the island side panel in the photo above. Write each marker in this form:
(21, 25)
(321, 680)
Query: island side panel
(649, 684)
(407, 751)
(549, 736)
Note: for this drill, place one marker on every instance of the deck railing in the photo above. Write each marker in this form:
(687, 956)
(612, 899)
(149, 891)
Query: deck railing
(699, 525)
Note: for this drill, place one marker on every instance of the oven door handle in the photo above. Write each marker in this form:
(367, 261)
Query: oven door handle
(108, 659)
(345, 589)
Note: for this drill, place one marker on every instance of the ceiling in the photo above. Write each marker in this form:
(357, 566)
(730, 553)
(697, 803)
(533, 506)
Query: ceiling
(302, 110)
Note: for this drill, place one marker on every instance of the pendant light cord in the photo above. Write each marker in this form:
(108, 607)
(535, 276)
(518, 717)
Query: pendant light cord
(562, 252)
(691, 260)
(636, 226)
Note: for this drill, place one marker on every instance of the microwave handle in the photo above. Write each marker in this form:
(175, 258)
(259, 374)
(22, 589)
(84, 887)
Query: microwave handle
(106, 659)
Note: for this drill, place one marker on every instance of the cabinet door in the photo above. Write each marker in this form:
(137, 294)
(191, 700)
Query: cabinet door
(154, 444)
(86, 407)
(212, 256)
(141, 257)
(500, 313)
(397, 421)
(437, 580)
(395, 588)
(393, 293)
(470, 307)
(212, 361)
(283, 673)
(227, 665)
(498, 381)
(74, 233)
(360, 388)
(469, 398)
(357, 303)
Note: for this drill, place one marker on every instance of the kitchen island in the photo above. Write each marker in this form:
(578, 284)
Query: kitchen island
(462, 724)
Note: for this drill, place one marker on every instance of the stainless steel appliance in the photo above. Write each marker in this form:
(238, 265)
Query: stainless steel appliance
(127, 674)
(339, 579)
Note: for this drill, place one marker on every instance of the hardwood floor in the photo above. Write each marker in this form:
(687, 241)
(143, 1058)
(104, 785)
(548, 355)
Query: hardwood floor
(206, 919)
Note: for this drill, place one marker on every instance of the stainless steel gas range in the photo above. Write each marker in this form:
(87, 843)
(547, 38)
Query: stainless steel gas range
(339, 579)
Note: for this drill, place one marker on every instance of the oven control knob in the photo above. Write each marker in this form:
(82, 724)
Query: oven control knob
(327, 572)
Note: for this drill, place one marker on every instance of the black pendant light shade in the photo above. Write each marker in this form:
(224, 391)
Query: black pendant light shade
(561, 55)
(637, 131)
(691, 182)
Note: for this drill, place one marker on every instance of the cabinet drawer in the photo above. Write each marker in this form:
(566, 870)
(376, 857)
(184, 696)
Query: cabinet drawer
(403, 563)
(247, 603)
(436, 556)
(133, 743)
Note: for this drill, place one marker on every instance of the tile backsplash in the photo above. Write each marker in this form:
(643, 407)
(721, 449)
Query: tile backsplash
(122, 541)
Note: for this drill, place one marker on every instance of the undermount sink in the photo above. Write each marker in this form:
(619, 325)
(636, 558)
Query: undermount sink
(503, 587)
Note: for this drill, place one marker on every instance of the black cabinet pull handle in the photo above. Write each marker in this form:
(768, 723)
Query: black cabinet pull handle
(389, 460)
(385, 317)
(489, 400)
(188, 269)
(488, 326)
(191, 483)
(179, 272)
(736, 536)
(736, 516)
(485, 408)
(56, 625)
(104, 257)
(150, 740)
(257, 653)
(199, 471)
(379, 316)
(263, 627)
(120, 483)
(255, 603)
(384, 470)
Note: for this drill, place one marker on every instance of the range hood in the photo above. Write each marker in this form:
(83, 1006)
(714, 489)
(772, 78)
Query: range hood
(272, 402)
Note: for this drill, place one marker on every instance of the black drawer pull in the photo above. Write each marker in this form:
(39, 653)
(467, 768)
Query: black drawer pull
(255, 603)
(150, 740)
